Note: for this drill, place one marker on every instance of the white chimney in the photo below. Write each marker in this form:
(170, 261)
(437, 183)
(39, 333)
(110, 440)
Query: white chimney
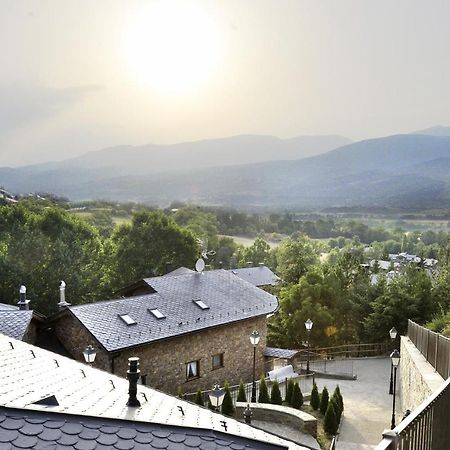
(62, 295)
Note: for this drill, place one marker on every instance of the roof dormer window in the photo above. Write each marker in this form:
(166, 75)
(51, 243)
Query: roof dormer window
(157, 313)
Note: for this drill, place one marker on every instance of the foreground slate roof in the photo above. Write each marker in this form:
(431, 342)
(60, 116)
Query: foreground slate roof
(227, 298)
(258, 276)
(29, 374)
(8, 307)
(14, 323)
(27, 429)
(272, 352)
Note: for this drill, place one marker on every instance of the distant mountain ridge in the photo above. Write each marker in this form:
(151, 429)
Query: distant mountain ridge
(401, 170)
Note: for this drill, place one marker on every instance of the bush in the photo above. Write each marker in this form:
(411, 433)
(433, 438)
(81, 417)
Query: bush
(330, 424)
(241, 393)
(297, 397)
(275, 395)
(199, 398)
(324, 397)
(263, 396)
(315, 398)
(337, 393)
(289, 390)
(227, 404)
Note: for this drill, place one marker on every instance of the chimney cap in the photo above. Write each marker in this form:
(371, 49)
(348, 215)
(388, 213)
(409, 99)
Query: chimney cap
(63, 284)
(23, 289)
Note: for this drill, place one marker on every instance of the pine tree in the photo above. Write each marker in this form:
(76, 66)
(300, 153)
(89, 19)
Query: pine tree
(199, 398)
(324, 397)
(297, 397)
(315, 398)
(289, 390)
(337, 392)
(337, 409)
(180, 392)
(275, 395)
(330, 423)
(227, 404)
(241, 393)
(263, 396)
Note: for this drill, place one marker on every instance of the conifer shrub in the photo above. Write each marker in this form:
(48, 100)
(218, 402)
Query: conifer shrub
(324, 397)
(315, 398)
(275, 395)
(330, 422)
(242, 397)
(337, 410)
(227, 404)
(337, 393)
(297, 397)
(263, 396)
(199, 398)
(289, 390)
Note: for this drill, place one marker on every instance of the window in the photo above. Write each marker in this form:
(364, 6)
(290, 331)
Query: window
(192, 370)
(217, 361)
(157, 313)
(127, 319)
(200, 304)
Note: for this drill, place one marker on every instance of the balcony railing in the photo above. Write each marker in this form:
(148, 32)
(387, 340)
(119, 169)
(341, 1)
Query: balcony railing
(434, 346)
(426, 428)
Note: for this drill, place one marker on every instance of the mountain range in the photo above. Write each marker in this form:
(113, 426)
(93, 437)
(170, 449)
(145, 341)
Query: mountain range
(403, 171)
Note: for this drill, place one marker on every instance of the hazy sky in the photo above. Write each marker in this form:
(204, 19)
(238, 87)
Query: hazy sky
(81, 75)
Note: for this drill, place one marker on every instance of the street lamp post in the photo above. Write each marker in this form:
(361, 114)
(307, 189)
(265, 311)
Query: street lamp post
(89, 354)
(216, 397)
(308, 326)
(395, 360)
(393, 335)
(254, 339)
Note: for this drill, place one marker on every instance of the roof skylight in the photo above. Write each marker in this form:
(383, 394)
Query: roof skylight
(127, 319)
(157, 313)
(200, 304)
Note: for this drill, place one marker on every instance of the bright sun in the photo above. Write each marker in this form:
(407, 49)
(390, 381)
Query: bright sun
(172, 46)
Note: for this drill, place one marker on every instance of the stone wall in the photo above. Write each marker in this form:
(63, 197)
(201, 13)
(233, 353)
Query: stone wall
(285, 415)
(164, 363)
(418, 379)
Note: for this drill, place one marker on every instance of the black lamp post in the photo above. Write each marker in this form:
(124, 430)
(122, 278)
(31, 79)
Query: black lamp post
(393, 335)
(216, 397)
(254, 339)
(395, 360)
(308, 326)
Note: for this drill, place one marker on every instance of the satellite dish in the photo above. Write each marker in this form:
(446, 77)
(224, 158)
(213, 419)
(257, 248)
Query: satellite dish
(200, 265)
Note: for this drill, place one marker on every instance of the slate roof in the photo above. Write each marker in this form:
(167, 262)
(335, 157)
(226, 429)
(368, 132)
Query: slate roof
(272, 352)
(228, 298)
(43, 430)
(258, 276)
(14, 323)
(7, 307)
(29, 374)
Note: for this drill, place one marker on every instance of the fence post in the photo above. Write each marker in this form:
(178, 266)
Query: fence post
(436, 353)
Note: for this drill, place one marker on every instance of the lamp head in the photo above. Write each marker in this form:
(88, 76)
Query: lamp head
(216, 396)
(89, 354)
(393, 333)
(395, 358)
(254, 338)
(309, 324)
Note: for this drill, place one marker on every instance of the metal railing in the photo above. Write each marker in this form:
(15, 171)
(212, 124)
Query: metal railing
(433, 346)
(305, 383)
(426, 428)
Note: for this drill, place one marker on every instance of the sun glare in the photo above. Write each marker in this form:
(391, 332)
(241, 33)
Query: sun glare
(172, 46)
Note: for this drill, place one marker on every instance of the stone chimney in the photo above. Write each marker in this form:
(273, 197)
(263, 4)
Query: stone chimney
(23, 303)
(62, 296)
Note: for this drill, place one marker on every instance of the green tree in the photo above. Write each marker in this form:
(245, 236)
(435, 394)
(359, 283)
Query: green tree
(275, 395)
(199, 398)
(337, 407)
(227, 404)
(289, 391)
(263, 396)
(295, 256)
(144, 247)
(324, 398)
(242, 397)
(330, 422)
(258, 252)
(315, 398)
(297, 397)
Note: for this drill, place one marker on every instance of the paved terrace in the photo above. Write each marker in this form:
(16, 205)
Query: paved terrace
(367, 403)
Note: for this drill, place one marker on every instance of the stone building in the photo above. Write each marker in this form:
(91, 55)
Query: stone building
(190, 330)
